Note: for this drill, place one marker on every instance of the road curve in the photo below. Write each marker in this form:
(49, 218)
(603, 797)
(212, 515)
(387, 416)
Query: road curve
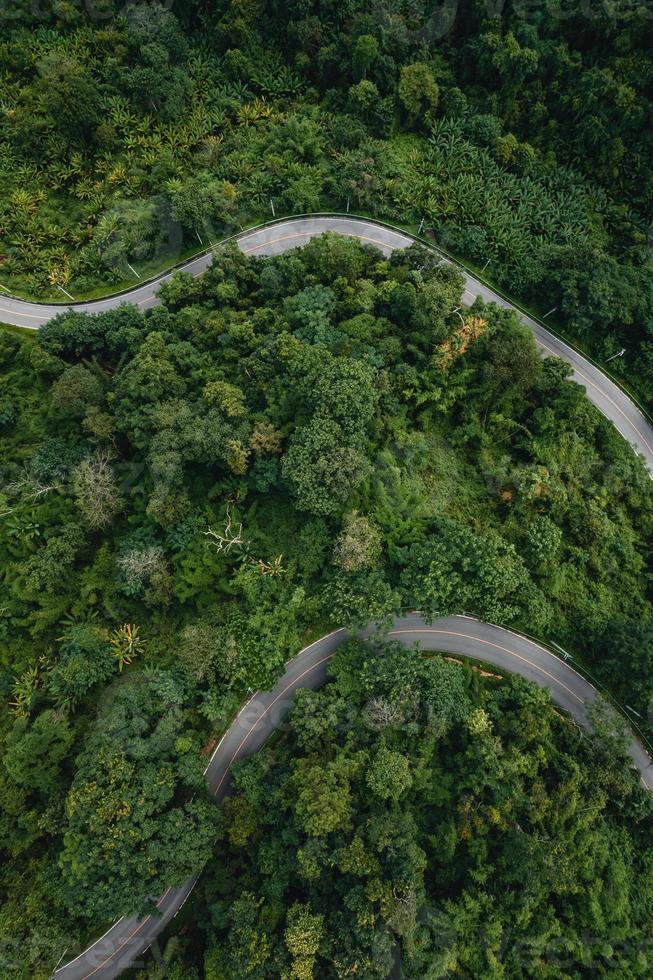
(277, 238)
(264, 712)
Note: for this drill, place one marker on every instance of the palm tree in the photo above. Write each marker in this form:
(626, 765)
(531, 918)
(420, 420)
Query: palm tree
(126, 644)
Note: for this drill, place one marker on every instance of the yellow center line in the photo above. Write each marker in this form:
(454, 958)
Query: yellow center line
(497, 646)
(232, 760)
(314, 234)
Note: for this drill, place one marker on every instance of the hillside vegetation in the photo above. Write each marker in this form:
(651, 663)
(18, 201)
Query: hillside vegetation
(418, 821)
(133, 133)
(286, 445)
(189, 494)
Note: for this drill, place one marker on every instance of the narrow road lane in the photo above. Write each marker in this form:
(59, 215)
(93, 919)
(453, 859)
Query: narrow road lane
(264, 712)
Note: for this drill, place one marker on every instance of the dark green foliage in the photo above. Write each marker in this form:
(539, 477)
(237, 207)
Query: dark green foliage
(412, 809)
(132, 134)
(191, 493)
(312, 441)
(137, 816)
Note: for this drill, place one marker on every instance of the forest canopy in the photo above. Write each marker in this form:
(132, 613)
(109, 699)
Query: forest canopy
(191, 493)
(284, 446)
(416, 820)
(521, 141)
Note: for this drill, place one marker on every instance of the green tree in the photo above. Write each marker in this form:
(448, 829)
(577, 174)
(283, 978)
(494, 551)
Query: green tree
(75, 391)
(389, 774)
(364, 55)
(68, 94)
(418, 90)
(84, 661)
(303, 934)
(321, 468)
(138, 814)
(34, 751)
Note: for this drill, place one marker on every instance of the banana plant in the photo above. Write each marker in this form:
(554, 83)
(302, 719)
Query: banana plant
(23, 692)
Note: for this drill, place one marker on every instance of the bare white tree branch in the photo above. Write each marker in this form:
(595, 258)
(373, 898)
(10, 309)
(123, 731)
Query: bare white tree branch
(229, 538)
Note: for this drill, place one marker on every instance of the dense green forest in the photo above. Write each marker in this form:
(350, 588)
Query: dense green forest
(522, 136)
(190, 493)
(415, 821)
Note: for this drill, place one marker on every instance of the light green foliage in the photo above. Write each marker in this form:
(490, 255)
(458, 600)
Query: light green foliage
(323, 802)
(389, 775)
(418, 90)
(359, 544)
(34, 750)
(303, 935)
(454, 569)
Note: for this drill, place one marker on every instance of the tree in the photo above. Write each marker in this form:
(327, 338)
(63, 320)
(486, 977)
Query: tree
(201, 203)
(144, 572)
(456, 570)
(126, 644)
(154, 77)
(356, 599)
(75, 391)
(358, 545)
(323, 799)
(68, 94)
(362, 98)
(365, 52)
(610, 731)
(96, 489)
(629, 644)
(34, 751)
(321, 468)
(418, 90)
(303, 935)
(138, 814)
(85, 660)
(389, 774)
(51, 570)
(507, 57)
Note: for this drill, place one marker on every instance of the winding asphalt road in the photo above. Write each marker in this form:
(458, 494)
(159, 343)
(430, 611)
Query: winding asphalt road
(124, 943)
(276, 238)
(128, 938)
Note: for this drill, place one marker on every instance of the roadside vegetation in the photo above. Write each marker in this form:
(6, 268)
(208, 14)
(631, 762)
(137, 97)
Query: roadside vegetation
(191, 493)
(130, 134)
(419, 820)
